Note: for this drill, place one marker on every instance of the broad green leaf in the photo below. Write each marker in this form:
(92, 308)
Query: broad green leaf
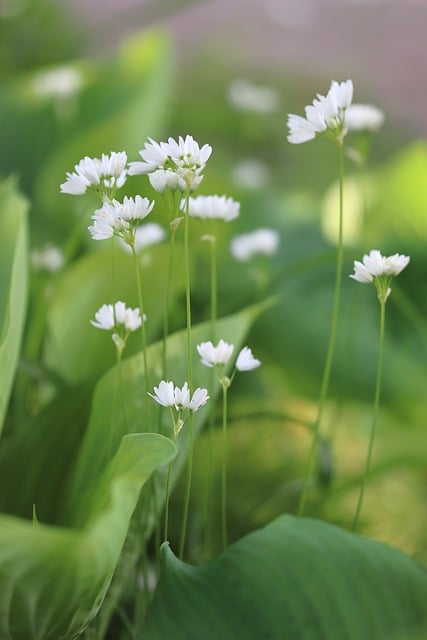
(75, 349)
(13, 284)
(296, 579)
(53, 580)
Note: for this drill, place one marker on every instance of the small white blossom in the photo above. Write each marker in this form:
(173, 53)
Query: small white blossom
(147, 235)
(164, 394)
(111, 316)
(59, 82)
(360, 117)
(326, 114)
(249, 97)
(380, 270)
(120, 218)
(176, 165)
(246, 361)
(48, 258)
(212, 356)
(212, 207)
(198, 399)
(105, 174)
(259, 242)
(169, 395)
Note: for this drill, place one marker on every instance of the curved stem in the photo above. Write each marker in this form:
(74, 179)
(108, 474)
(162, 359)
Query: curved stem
(332, 339)
(224, 528)
(188, 487)
(374, 417)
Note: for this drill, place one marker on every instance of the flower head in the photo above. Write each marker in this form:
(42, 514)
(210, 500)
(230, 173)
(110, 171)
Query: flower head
(123, 320)
(120, 218)
(213, 207)
(168, 395)
(327, 114)
(212, 356)
(259, 242)
(176, 165)
(380, 270)
(246, 361)
(105, 174)
(363, 117)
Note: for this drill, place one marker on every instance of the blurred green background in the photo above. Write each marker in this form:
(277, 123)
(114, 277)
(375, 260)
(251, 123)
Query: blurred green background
(79, 80)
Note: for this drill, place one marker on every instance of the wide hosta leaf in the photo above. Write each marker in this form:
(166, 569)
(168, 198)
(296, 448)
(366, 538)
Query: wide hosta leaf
(53, 580)
(13, 284)
(296, 579)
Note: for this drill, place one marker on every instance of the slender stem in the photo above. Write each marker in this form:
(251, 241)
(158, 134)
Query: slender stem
(190, 377)
(224, 528)
(166, 311)
(166, 526)
(332, 339)
(214, 295)
(141, 308)
(374, 416)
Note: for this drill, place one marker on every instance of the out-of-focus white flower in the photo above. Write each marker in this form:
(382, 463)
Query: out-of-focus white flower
(261, 241)
(380, 270)
(48, 258)
(364, 117)
(212, 356)
(146, 235)
(326, 114)
(105, 174)
(120, 218)
(246, 361)
(212, 207)
(176, 165)
(250, 97)
(250, 174)
(112, 316)
(59, 82)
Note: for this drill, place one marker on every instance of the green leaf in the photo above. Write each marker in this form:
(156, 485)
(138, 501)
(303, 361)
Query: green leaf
(53, 580)
(13, 284)
(296, 579)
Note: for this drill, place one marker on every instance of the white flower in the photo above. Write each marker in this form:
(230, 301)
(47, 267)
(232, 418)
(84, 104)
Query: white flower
(119, 218)
(327, 113)
(164, 394)
(176, 165)
(212, 207)
(261, 241)
(169, 395)
(111, 316)
(250, 174)
(380, 270)
(361, 117)
(182, 397)
(59, 82)
(249, 97)
(49, 258)
(199, 398)
(212, 356)
(106, 173)
(147, 235)
(246, 361)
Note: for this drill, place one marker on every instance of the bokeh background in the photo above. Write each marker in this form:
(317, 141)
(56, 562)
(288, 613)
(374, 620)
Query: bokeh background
(83, 78)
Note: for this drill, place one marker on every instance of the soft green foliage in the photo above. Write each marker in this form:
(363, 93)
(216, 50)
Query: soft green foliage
(52, 580)
(296, 579)
(13, 284)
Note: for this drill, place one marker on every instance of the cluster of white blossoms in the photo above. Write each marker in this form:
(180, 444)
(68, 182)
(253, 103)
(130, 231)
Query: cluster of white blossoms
(258, 242)
(105, 175)
(219, 355)
(169, 395)
(176, 165)
(120, 218)
(327, 115)
(122, 319)
(212, 208)
(380, 270)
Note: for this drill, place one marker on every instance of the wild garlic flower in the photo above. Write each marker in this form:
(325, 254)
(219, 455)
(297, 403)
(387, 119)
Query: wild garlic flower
(363, 117)
(246, 361)
(174, 165)
(49, 258)
(168, 395)
(380, 270)
(105, 175)
(212, 207)
(123, 320)
(220, 355)
(326, 115)
(120, 218)
(259, 242)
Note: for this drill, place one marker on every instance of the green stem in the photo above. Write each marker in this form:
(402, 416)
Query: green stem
(190, 376)
(141, 309)
(166, 311)
(224, 528)
(332, 339)
(374, 416)
(214, 295)
(166, 527)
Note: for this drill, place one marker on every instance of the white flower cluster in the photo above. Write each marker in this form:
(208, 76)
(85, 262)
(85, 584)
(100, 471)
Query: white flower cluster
(380, 270)
(212, 208)
(258, 242)
(219, 356)
(120, 318)
(326, 114)
(168, 395)
(174, 165)
(120, 218)
(106, 174)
